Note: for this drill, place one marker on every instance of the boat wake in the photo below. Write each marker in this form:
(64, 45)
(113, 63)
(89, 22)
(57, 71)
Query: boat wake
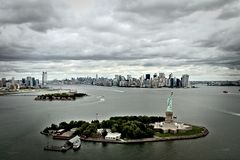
(100, 99)
(229, 112)
(118, 91)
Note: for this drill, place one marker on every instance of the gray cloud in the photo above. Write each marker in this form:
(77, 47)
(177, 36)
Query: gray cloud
(40, 15)
(65, 36)
(226, 40)
(229, 14)
(230, 11)
(167, 11)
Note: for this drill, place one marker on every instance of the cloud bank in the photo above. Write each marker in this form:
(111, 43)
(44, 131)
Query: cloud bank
(78, 38)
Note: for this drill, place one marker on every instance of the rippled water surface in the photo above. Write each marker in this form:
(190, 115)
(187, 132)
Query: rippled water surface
(22, 118)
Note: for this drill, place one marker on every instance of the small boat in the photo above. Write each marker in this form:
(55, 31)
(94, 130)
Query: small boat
(77, 144)
(225, 91)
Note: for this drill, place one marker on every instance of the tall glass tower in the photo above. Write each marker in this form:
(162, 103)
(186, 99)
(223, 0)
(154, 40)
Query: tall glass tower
(44, 78)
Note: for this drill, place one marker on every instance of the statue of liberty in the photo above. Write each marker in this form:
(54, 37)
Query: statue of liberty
(169, 103)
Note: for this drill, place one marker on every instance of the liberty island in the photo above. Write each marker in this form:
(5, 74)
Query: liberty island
(128, 129)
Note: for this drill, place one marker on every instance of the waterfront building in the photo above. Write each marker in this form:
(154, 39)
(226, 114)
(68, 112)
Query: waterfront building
(178, 83)
(141, 80)
(123, 83)
(4, 81)
(161, 75)
(174, 82)
(13, 81)
(37, 82)
(171, 85)
(44, 79)
(113, 136)
(170, 80)
(155, 75)
(29, 82)
(115, 82)
(23, 83)
(185, 80)
(122, 78)
(129, 77)
(33, 81)
(8, 84)
(162, 80)
(117, 77)
(170, 75)
(155, 82)
(148, 76)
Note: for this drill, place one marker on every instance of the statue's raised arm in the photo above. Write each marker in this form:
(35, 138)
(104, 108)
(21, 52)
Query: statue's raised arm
(169, 103)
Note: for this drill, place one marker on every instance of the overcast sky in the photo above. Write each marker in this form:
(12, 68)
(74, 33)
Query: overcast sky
(70, 38)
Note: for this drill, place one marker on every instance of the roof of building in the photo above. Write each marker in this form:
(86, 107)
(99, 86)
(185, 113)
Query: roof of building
(61, 130)
(74, 139)
(115, 134)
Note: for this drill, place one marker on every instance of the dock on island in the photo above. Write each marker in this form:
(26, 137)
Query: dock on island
(57, 148)
(68, 145)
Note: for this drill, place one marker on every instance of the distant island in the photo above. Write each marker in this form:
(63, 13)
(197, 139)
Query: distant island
(61, 96)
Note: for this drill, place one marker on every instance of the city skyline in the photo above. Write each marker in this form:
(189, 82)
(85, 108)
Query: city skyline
(74, 38)
(145, 81)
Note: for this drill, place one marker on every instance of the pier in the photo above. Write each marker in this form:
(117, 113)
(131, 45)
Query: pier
(57, 148)
(68, 145)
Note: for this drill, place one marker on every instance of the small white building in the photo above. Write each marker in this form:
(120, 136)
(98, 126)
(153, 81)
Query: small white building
(74, 139)
(60, 131)
(113, 136)
(73, 129)
(100, 131)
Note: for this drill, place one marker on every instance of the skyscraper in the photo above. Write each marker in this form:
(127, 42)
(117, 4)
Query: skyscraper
(29, 82)
(129, 77)
(44, 78)
(162, 80)
(161, 75)
(4, 81)
(155, 75)
(148, 76)
(185, 80)
(13, 81)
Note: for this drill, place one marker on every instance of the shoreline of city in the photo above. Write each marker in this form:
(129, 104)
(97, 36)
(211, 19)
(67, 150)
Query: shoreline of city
(145, 81)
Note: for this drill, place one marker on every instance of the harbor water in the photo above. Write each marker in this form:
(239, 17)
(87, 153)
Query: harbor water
(22, 119)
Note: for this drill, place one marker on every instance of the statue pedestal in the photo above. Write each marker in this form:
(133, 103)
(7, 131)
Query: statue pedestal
(169, 118)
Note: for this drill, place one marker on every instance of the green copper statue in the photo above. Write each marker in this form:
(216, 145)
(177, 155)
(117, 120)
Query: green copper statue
(169, 103)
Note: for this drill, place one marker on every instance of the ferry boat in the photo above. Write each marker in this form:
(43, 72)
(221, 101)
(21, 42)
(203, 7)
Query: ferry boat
(76, 142)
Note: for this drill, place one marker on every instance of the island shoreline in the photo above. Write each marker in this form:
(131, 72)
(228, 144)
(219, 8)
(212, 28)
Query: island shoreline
(204, 133)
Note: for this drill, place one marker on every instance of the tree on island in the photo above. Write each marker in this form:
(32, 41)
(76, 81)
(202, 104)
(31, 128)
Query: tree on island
(54, 127)
(104, 133)
(130, 127)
